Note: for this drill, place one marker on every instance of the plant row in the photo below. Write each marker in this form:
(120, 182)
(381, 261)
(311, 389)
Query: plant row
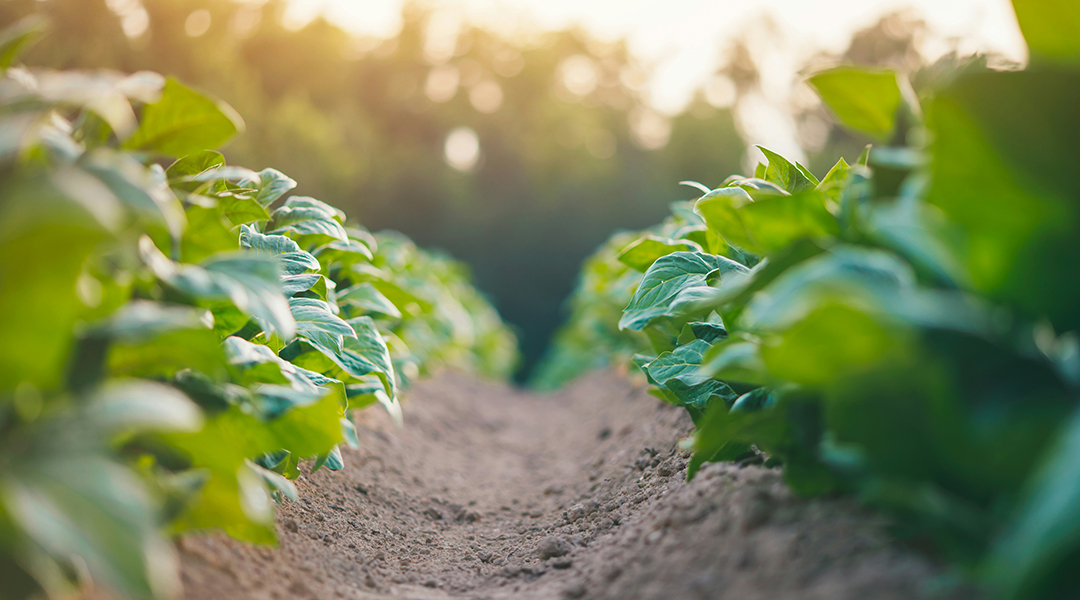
(903, 328)
(180, 334)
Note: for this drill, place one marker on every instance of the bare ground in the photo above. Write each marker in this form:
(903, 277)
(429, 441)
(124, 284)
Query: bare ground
(493, 493)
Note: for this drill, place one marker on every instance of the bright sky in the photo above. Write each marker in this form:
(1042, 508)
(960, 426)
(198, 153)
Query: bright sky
(683, 38)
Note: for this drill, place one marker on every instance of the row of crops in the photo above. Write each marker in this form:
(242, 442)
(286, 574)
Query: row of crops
(176, 334)
(903, 328)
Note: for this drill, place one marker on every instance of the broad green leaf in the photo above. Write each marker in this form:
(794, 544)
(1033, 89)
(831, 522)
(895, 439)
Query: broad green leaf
(864, 100)
(294, 261)
(793, 178)
(1049, 27)
(136, 405)
(166, 354)
(642, 253)
(723, 430)
(18, 38)
(364, 298)
(774, 222)
(259, 365)
(369, 343)
(1016, 207)
(331, 460)
(306, 221)
(147, 339)
(1034, 557)
(832, 186)
(138, 187)
(844, 275)
(229, 500)
(207, 234)
(720, 210)
(143, 320)
(681, 363)
(241, 211)
(271, 185)
(276, 482)
(294, 284)
(315, 317)
(666, 278)
(251, 283)
(679, 372)
(343, 254)
(829, 343)
(87, 507)
(307, 202)
(193, 164)
(183, 122)
(45, 242)
(736, 360)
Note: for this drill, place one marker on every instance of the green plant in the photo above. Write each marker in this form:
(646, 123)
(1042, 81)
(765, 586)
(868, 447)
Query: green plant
(178, 339)
(905, 327)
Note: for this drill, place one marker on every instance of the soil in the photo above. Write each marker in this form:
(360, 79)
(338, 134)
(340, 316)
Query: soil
(494, 493)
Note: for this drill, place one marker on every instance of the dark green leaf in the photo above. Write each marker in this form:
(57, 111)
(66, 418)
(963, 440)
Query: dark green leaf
(666, 278)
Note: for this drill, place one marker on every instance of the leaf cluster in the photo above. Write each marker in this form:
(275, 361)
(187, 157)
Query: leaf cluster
(903, 328)
(181, 334)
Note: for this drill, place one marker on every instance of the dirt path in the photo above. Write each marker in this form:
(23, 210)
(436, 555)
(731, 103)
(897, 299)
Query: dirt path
(489, 493)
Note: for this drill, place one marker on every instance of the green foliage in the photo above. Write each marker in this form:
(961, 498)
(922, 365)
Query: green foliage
(904, 329)
(864, 100)
(173, 348)
(1050, 26)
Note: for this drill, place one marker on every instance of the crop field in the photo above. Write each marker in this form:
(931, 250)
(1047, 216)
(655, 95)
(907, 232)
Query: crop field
(863, 383)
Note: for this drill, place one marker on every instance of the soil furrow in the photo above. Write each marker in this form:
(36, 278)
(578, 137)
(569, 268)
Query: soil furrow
(489, 493)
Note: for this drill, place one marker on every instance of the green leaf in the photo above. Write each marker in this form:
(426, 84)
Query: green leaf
(306, 221)
(736, 360)
(135, 405)
(343, 254)
(140, 188)
(235, 497)
(1015, 207)
(194, 164)
(365, 299)
(666, 278)
(791, 177)
(147, 339)
(679, 372)
(271, 185)
(720, 211)
(724, 431)
(1035, 556)
(315, 317)
(294, 261)
(258, 365)
(183, 122)
(369, 343)
(241, 210)
(87, 507)
(251, 283)
(832, 186)
(1049, 27)
(307, 202)
(681, 363)
(18, 38)
(331, 460)
(774, 222)
(864, 100)
(207, 234)
(642, 253)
